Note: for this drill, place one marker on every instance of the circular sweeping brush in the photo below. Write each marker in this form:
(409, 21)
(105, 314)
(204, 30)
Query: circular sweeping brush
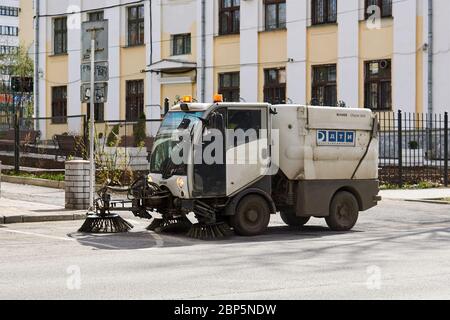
(210, 232)
(175, 225)
(108, 223)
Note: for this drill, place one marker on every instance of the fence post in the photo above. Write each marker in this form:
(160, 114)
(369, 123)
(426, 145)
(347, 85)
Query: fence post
(446, 149)
(400, 149)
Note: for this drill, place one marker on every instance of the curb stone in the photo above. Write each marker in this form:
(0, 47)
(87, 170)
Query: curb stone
(47, 218)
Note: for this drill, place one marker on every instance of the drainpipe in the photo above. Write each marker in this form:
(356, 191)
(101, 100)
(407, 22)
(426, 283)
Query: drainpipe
(36, 64)
(203, 68)
(430, 78)
(151, 32)
(430, 56)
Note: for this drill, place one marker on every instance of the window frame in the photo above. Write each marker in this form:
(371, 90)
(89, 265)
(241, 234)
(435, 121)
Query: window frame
(317, 85)
(326, 12)
(187, 44)
(134, 99)
(60, 33)
(279, 25)
(381, 5)
(59, 101)
(229, 91)
(96, 16)
(233, 27)
(139, 23)
(380, 81)
(272, 89)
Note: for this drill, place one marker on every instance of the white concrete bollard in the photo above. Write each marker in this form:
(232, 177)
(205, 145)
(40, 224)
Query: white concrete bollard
(77, 185)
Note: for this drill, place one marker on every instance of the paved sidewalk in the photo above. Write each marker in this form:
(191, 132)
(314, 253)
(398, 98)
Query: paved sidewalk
(23, 204)
(422, 194)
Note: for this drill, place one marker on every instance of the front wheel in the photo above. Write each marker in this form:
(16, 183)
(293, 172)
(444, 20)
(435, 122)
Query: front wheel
(252, 216)
(344, 212)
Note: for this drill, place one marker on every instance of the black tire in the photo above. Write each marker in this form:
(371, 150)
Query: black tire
(290, 218)
(344, 212)
(252, 216)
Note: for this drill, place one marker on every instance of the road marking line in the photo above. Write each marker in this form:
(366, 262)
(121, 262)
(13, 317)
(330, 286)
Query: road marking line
(158, 239)
(59, 238)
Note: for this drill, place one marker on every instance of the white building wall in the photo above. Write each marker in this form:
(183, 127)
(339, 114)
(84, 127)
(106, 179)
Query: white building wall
(296, 50)
(249, 50)
(153, 84)
(404, 56)
(74, 58)
(441, 56)
(348, 52)
(209, 51)
(112, 107)
(42, 56)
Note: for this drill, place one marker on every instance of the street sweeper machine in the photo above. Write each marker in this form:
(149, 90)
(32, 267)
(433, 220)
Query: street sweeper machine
(233, 165)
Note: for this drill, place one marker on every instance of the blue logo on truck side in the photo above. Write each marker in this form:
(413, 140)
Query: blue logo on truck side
(336, 138)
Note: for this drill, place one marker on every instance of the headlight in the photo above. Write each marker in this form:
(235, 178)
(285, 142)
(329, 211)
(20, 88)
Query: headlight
(149, 179)
(180, 183)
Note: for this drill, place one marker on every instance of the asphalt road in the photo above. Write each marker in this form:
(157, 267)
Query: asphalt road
(399, 250)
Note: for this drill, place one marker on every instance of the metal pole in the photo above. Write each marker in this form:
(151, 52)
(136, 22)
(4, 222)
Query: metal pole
(36, 65)
(446, 149)
(430, 79)
(203, 57)
(400, 149)
(92, 125)
(16, 136)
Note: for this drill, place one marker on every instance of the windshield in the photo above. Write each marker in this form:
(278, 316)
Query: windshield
(174, 124)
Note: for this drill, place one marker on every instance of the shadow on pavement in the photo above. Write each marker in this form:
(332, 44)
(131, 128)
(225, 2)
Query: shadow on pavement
(139, 240)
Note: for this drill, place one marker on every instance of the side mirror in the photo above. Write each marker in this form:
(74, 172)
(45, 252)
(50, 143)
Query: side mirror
(217, 121)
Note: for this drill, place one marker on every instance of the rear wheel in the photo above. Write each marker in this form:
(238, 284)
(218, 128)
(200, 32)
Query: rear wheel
(344, 212)
(252, 216)
(290, 218)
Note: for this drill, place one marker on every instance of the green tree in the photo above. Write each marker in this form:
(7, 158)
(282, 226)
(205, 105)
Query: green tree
(17, 64)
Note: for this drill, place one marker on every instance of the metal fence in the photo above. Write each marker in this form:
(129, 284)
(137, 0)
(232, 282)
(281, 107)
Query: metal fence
(413, 148)
(47, 142)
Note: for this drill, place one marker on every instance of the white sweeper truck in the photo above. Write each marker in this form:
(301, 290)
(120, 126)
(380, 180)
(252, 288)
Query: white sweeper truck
(234, 165)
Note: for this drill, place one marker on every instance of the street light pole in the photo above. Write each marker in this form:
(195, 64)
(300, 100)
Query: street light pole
(92, 124)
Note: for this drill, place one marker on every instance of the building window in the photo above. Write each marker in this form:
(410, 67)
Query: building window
(275, 86)
(385, 7)
(378, 86)
(275, 12)
(8, 50)
(99, 112)
(324, 89)
(59, 105)
(96, 16)
(324, 11)
(136, 25)
(229, 16)
(9, 11)
(134, 99)
(60, 35)
(229, 86)
(9, 31)
(181, 44)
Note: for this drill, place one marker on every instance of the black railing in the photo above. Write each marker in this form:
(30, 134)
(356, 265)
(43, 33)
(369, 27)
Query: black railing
(413, 148)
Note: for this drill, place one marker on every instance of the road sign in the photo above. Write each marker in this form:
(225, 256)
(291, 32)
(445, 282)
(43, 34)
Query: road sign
(101, 72)
(101, 40)
(100, 92)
